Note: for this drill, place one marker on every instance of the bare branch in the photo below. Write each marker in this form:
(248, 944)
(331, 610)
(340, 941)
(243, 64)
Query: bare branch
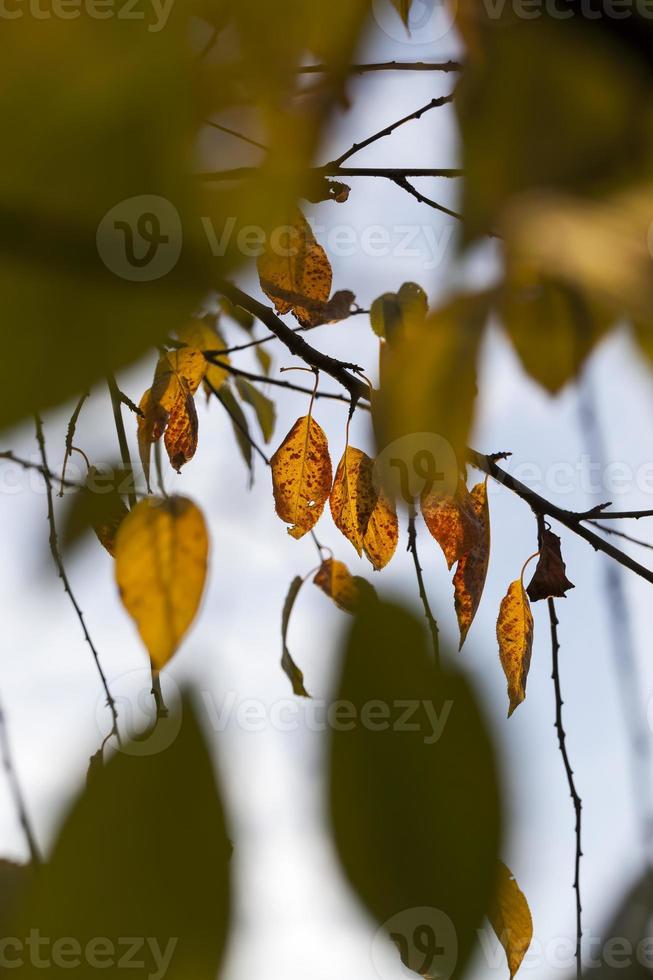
(116, 404)
(388, 130)
(16, 792)
(412, 190)
(430, 618)
(445, 66)
(238, 173)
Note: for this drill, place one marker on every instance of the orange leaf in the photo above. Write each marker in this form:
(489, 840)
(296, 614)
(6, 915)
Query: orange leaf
(452, 521)
(511, 919)
(301, 476)
(296, 273)
(471, 572)
(353, 496)
(382, 533)
(336, 581)
(515, 636)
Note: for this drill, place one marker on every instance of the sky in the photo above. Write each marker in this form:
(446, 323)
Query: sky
(296, 915)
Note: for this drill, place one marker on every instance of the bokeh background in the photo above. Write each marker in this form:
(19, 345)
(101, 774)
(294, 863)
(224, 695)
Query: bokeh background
(296, 915)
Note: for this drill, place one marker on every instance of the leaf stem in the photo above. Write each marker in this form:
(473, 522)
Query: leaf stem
(430, 618)
(116, 404)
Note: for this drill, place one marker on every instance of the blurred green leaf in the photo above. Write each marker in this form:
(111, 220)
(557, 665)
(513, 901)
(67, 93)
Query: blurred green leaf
(97, 507)
(414, 795)
(391, 311)
(266, 413)
(143, 853)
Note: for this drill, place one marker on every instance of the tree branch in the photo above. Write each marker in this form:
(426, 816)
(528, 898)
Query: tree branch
(330, 170)
(16, 792)
(116, 404)
(430, 618)
(412, 190)
(56, 557)
(445, 66)
(578, 805)
(388, 130)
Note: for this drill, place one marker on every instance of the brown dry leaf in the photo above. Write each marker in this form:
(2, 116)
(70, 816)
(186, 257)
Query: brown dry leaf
(346, 590)
(452, 521)
(382, 534)
(296, 273)
(168, 407)
(161, 559)
(204, 335)
(511, 919)
(471, 572)
(515, 636)
(353, 496)
(550, 578)
(301, 476)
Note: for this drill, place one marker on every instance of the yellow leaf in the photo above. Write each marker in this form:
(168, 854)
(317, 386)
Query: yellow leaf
(336, 581)
(161, 559)
(353, 496)
(382, 534)
(452, 521)
(471, 572)
(205, 336)
(295, 272)
(515, 636)
(301, 476)
(511, 919)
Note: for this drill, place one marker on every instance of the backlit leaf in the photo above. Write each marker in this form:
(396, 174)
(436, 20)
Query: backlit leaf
(511, 918)
(353, 496)
(550, 578)
(515, 636)
(453, 522)
(161, 560)
(403, 8)
(471, 572)
(204, 335)
(296, 273)
(346, 590)
(162, 872)
(97, 506)
(301, 476)
(392, 312)
(382, 532)
(290, 668)
(414, 798)
(263, 406)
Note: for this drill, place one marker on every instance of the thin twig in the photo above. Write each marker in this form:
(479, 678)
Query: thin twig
(388, 130)
(70, 436)
(578, 804)
(621, 534)
(16, 792)
(56, 557)
(412, 190)
(430, 618)
(27, 464)
(234, 132)
(445, 66)
(116, 404)
(390, 173)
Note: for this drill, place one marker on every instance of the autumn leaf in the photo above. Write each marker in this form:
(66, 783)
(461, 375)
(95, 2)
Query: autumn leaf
(392, 312)
(550, 578)
(452, 521)
(204, 336)
(471, 572)
(511, 919)
(515, 636)
(403, 8)
(98, 506)
(168, 407)
(296, 274)
(346, 590)
(353, 496)
(301, 476)
(161, 560)
(382, 533)
(290, 668)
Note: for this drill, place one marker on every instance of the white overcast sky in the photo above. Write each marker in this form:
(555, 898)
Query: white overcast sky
(296, 915)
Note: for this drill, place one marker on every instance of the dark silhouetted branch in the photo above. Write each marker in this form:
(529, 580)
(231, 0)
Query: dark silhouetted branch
(16, 792)
(430, 618)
